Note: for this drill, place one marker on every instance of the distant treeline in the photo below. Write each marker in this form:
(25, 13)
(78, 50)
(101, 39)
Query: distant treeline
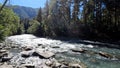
(95, 19)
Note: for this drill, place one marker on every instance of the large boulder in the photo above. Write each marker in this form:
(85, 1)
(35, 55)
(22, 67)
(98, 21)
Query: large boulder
(43, 54)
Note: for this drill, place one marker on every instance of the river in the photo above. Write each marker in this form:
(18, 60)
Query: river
(92, 57)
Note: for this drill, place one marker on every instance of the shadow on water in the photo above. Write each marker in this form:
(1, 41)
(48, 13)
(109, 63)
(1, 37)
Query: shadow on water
(108, 44)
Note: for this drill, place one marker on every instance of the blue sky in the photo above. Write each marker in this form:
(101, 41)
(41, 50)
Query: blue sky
(28, 3)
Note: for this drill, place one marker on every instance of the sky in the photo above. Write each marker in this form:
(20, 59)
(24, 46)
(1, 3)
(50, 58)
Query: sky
(27, 3)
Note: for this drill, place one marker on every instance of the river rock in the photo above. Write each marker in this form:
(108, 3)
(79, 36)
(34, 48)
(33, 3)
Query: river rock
(79, 50)
(7, 48)
(53, 63)
(43, 66)
(6, 66)
(55, 46)
(104, 54)
(1, 44)
(28, 48)
(64, 66)
(13, 46)
(28, 66)
(73, 65)
(56, 65)
(49, 63)
(0, 47)
(40, 44)
(43, 54)
(7, 58)
(26, 54)
(3, 51)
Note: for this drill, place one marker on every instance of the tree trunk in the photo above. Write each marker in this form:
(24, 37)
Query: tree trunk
(3, 5)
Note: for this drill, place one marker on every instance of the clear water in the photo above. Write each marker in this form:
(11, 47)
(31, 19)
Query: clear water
(15, 51)
(93, 60)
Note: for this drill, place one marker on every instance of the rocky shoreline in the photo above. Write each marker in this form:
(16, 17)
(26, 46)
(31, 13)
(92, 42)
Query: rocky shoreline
(29, 57)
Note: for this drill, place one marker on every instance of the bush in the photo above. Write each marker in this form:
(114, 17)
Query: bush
(9, 23)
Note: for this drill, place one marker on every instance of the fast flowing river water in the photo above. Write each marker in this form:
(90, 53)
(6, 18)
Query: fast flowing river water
(94, 56)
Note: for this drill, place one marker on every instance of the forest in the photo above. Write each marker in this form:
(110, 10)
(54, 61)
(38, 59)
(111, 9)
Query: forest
(83, 19)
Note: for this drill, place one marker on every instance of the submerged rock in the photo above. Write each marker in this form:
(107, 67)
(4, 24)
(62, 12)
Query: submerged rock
(79, 50)
(55, 46)
(104, 54)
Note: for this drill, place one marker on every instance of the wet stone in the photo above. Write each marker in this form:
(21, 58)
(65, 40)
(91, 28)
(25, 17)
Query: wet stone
(64, 66)
(104, 54)
(7, 58)
(44, 54)
(28, 48)
(3, 51)
(26, 54)
(39, 44)
(6, 66)
(72, 65)
(49, 63)
(79, 50)
(0, 47)
(27, 66)
(55, 46)
(56, 65)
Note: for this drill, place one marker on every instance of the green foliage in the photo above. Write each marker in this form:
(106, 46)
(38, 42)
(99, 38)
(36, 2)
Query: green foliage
(9, 23)
(34, 27)
(21, 29)
(94, 19)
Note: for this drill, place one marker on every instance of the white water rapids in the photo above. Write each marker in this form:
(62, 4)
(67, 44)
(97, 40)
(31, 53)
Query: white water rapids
(31, 40)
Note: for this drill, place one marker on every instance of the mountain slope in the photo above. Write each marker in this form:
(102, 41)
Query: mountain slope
(25, 12)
